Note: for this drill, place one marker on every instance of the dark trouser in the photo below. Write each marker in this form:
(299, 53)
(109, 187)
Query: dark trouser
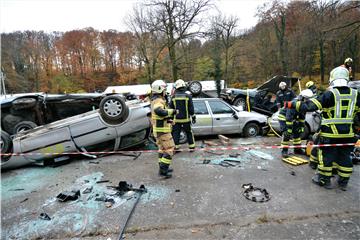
(314, 151)
(189, 134)
(296, 132)
(335, 156)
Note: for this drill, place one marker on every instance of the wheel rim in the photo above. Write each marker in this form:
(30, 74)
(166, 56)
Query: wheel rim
(23, 129)
(112, 108)
(240, 102)
(252, 131)
(195, 87)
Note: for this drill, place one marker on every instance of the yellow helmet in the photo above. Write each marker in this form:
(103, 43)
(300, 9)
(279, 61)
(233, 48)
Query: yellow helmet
(309, 84)
(348, 61)
(158, 86)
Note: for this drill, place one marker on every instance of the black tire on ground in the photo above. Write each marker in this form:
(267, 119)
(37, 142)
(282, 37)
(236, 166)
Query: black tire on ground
(306, 132)
(183, 137)
(240, 102)
(6, 143)
(195, 88)
(113, 109)
(251, 130)
(23, 103)
(24, 126)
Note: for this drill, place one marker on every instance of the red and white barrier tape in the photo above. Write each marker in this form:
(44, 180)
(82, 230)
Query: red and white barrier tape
(185, 150)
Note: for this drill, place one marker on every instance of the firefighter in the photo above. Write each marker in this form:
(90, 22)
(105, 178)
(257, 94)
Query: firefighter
(339, 106)
(282, 96)
(295, 123)
(348, 64)
(311, 85)
(182, 102)
(161, 119)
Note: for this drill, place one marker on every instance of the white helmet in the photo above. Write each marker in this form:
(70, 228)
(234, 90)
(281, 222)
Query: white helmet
(179, 84)
(282, 85)
(339, 77)
(158, 86)
(307, 93)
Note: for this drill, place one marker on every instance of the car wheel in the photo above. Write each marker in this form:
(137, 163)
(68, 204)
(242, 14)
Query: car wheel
(240, 102)
(23, 103)
(183, 137)
(24, 126)
(6, 143)
(251, 130)
(304, 135)
(195, 88)
(113, 109)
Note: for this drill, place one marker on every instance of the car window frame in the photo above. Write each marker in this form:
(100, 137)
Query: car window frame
(206, 105)
(219, 100)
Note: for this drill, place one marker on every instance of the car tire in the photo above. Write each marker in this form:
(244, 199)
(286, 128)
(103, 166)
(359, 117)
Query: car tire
(6, 143)
(23, 103)
(183, 137)
(195, 88)
(240, 102)
(24, 126)
(251, 130)
(113, 109)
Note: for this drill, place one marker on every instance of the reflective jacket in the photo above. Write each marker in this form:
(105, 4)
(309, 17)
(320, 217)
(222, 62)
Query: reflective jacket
(284, 96)
(182, 102)
(339, 107)
(160, 115)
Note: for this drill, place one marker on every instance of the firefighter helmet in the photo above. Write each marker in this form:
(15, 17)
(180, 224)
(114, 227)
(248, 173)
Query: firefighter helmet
(309, 84)
(179, 84)
(339, 77)
(282, 85)
(158, 86)
(306, 94)
(348, 61)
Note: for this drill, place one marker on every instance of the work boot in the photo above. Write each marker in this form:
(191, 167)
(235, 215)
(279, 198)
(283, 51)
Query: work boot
(318, 180)
(284, 153)
(313, 165)
(299, 151)
(342, 183)
(164, 170)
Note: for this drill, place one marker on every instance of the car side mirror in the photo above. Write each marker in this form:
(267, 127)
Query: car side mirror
(235, 115)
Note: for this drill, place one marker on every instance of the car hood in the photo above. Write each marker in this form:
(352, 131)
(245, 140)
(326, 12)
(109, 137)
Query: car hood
(272, 85)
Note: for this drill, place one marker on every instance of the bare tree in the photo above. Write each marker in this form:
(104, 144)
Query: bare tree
(177, 20)
(225, 26)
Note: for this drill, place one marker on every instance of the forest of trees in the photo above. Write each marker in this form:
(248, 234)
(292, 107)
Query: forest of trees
(177, 39)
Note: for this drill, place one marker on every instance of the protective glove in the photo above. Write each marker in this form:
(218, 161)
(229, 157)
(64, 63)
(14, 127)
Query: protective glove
(288, 132)
(193, 119)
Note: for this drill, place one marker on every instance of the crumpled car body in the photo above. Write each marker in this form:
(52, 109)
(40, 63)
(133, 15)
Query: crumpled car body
(21, 112)
(256, 96)
(88, 132)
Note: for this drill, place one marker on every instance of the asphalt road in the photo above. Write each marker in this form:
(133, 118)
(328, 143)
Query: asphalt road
(201, 201)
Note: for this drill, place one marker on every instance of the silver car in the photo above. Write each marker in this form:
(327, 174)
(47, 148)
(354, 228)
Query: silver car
(312, 123)
(215, 116)
(115, 125)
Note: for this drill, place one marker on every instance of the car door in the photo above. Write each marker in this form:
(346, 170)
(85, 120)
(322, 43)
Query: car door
(204, 121)
(46, 142)
(91, 133)
(223, 117)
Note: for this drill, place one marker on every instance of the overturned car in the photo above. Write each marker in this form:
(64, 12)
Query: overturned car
(115, 125)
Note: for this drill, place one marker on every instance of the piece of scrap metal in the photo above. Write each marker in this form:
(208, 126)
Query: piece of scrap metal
(255, 194)
(68, 196)
(124, 186)
(294, 160)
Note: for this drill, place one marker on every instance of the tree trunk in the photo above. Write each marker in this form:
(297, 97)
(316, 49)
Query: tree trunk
(322, 64)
